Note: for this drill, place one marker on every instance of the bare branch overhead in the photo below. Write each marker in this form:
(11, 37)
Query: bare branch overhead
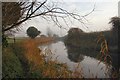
(35, 9)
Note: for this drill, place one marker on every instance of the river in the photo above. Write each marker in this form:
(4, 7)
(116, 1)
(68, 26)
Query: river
(89, 65)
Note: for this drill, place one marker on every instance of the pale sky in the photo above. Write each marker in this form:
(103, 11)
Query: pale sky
(97, 21)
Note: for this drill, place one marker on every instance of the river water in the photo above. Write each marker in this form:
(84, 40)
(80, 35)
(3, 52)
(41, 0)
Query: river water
(88, 65)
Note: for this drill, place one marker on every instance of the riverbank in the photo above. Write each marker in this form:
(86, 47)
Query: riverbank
(23, 59)
(89, 41)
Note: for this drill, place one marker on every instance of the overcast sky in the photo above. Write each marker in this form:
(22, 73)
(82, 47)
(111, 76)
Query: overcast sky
(97, 21)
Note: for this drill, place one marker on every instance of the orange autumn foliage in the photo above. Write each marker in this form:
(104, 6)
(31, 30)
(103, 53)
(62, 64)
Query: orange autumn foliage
(51, 68)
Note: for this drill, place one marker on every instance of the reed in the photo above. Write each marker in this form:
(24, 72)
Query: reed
(47, 68)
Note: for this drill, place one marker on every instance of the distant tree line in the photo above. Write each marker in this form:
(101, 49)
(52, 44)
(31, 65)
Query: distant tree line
(75, 35)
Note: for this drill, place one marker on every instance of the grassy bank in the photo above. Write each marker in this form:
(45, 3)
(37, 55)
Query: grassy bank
(11, 64)
(23, 59)
(40, 67)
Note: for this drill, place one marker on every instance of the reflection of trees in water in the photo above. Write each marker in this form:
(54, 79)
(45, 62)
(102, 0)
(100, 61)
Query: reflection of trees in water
(115, 62)
(74, 55)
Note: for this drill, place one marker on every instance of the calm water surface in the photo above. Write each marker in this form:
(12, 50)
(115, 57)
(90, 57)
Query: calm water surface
(88, 65)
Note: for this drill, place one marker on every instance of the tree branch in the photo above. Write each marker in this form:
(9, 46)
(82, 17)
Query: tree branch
(52, 12)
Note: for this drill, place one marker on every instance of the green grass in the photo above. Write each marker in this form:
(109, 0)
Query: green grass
(14, 63)
(17, 39)
(11, 65)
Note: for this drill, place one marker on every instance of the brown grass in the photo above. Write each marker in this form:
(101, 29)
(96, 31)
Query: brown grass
(50, 68)
(104, 52)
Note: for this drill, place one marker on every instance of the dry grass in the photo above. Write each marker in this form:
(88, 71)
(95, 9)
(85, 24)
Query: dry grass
(50, 68)
(104, 52)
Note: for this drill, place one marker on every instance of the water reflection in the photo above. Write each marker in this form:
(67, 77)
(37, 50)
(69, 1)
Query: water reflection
(74, 55)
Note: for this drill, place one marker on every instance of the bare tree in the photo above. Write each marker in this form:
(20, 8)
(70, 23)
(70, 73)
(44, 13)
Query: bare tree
(28, 10)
